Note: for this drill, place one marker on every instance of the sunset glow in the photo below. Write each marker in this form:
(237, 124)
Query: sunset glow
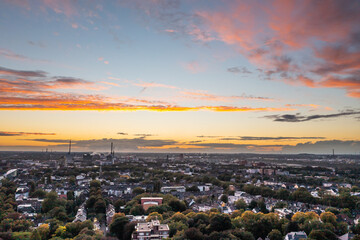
(180, 76)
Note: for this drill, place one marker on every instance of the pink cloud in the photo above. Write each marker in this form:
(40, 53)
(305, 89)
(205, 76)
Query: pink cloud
(193, 67)
(66, 7)
(154, 85)
(291, 40)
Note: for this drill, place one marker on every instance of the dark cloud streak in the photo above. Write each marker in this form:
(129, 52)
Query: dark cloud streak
(300, 118)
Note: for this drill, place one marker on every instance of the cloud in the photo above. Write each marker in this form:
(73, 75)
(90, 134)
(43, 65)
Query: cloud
(125, 144)
(194, 67)
(146, 85)
(37, 44)
(251, 138)
(289, 41)
(21, 73)
(110, 83)
(242, 70)
(11, 55)
(326, 147)
(300, 118)
(315, 106)
(143, 135)
(202, 136)
(168, 145)
(35, 90)
(101, 59)
(204, 95)
(66, 7)
(3, 133)
(14, 56)
(122, 133)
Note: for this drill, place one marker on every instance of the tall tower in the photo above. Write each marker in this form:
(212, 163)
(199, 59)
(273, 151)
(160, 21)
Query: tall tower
(112, 154)
(68, 157)
(100, 170)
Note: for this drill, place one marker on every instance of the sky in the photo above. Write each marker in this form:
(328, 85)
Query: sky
(208, 76)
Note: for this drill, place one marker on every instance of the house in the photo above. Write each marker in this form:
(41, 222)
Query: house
(151, 230)
(347, 236)
(296, 236)
(173, 189)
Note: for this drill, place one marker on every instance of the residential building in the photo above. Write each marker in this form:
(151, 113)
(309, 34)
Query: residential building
(151, 230)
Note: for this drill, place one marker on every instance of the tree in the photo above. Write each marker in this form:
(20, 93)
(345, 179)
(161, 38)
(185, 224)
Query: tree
(70, 195)
(275, 235)
(118, 203)
(153, 216)
(95, 184)
(44, 231)
(129, 229)
(193, 234)
(117, 226)
(240, 204)
(328, 217)
(35, 235)
(137, 210)
(100, 206)
(243, 235)
(356, 229)
(177, 206)
(302, 195)
(157, 186)
(192, 189)
(138, 190)
(51, 201)
(220, 222)
(224, 198)
(322, 235)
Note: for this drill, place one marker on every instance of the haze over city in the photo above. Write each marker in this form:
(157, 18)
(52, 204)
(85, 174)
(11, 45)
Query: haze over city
(180, 76)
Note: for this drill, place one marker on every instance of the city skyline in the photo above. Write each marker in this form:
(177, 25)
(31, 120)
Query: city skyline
(180, 76)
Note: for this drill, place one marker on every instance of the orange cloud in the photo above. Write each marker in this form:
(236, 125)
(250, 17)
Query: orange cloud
(110, 83)
(303, 105)
(36, 92)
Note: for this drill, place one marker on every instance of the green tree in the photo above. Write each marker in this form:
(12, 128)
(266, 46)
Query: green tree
(193, 234)
(117, 226)
(323, 234)
(35, 235)
(224, 198)
(240, 204)
(220, 222)
(275, 235)
(138, 190)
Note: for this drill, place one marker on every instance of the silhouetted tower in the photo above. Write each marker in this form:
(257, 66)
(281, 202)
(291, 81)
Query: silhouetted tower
(70, 147)
(68, 157)
(100, 172)
(112, 154)
(112, 149)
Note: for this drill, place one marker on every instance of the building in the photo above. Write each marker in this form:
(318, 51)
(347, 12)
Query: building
(147, 202)
(151, 230)
(295, 236)
(11, 174)
(173, 189)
